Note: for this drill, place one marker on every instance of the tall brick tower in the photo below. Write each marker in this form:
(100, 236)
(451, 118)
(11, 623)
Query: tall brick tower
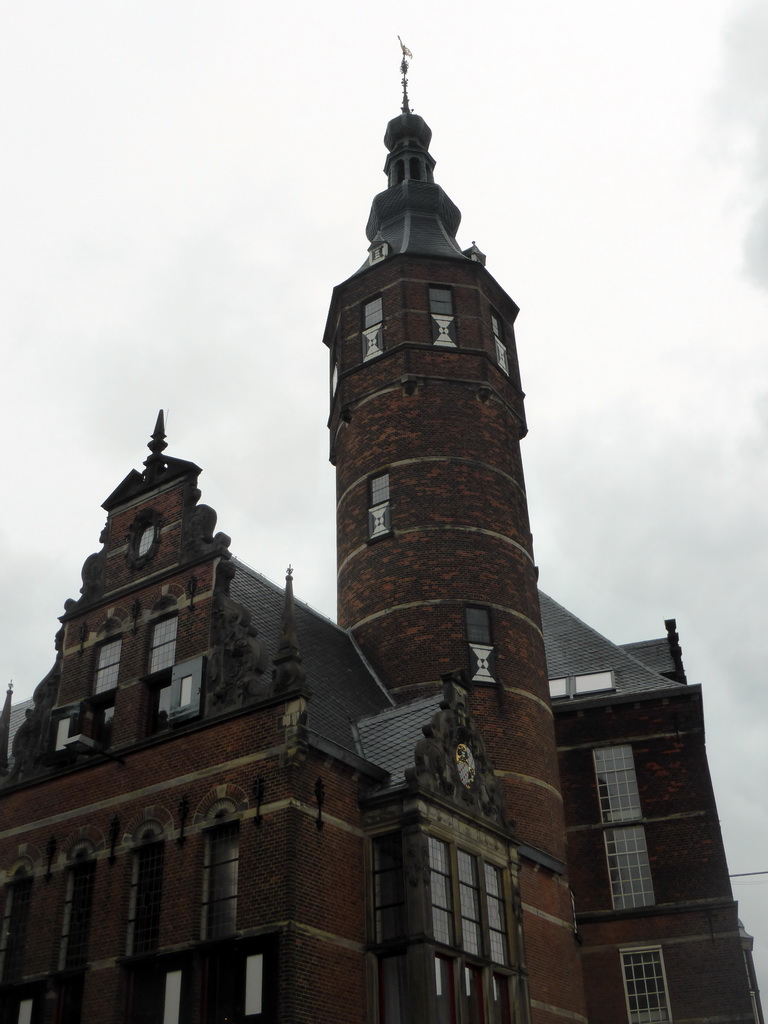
(435, 561)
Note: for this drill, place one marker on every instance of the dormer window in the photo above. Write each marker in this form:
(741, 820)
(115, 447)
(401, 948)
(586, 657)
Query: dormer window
(378, 251)
(373, 334)
(574, 686)
(443, 320)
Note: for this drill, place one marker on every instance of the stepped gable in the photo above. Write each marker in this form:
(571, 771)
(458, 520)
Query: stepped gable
(343, 687)
(574, 648)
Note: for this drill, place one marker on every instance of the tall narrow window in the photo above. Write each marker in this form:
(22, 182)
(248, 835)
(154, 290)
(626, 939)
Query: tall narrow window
(443, 320)
(482, 656)
(379, 518)
(445, 994)
(473, 990)
(645, 986)
(498, 339)
(501, 1010)
(469, 902)
(373, 333)
(163, 647)
(77, 915)
(15, 925)
(146, 894)
(388, 891)
(393, 990)
(107, 666)
(617, 783)
(440, 885)
(497, 925)
(628, 867)
(220, 903)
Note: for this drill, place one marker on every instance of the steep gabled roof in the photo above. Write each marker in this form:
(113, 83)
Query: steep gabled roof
(573, 648)
(390, 737)
(654, 654)
(343, 686)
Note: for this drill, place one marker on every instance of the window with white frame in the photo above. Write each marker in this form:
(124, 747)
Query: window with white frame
(443, 319)
(645, 986)
(574, 686)
(628, 867)
(162, 651)
(177, 699)
(107, 666)
(498, 338)
(373, 332)
(379, 517)
(220, 884)
(617, 783)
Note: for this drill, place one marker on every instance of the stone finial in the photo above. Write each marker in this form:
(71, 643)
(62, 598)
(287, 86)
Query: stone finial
(288, 672)
(5, 729)
(155, 463)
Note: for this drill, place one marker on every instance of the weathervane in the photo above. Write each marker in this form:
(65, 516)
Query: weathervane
(404, 68)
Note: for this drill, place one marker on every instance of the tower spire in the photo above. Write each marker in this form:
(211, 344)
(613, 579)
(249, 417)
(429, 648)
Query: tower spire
(406, 109)
(155, 463)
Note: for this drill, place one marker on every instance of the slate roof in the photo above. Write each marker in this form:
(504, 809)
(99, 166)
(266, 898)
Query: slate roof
(654, 654)
(350, 707)
(388, 738)
(574, 648)
(343, 685)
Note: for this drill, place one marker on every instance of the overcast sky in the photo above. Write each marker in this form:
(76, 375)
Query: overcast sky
(184, 182)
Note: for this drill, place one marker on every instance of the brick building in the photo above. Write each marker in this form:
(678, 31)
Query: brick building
(460, 805)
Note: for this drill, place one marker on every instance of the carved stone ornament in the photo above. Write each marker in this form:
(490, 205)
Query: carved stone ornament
(238, 659)
(30, 741)
(451, 761)
(93, 575)
(199, 523)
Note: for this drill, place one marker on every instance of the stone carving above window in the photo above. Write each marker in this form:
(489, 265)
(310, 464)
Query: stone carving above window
(198, 537)
(238, 659)
(451, 741)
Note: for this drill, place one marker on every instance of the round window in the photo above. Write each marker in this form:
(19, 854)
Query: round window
(146, 540)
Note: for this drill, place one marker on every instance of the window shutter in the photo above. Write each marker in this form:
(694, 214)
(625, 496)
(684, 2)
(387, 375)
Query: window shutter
(186, 685)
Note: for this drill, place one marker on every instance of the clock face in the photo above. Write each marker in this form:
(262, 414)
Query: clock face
(465, 764)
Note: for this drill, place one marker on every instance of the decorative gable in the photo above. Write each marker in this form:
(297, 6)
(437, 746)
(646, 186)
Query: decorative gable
(450, 761)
